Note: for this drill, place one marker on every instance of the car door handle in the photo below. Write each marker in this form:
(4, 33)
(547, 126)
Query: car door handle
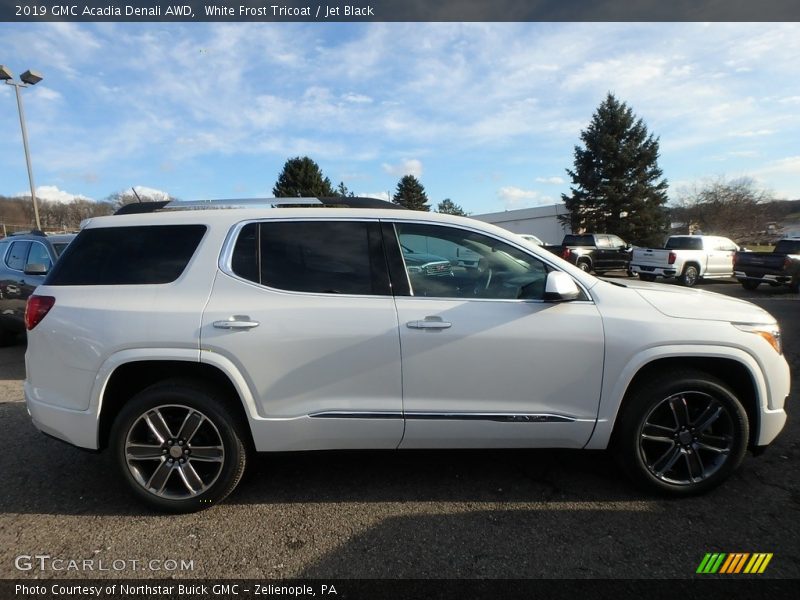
(429, 323)
(236, 322)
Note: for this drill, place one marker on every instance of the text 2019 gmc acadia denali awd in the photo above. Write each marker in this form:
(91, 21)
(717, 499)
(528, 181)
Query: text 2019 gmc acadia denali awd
(183, 340)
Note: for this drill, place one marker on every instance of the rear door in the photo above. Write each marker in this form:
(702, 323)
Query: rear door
(304, 309)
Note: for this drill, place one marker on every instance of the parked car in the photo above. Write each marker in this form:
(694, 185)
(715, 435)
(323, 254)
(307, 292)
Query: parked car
(779, 267)
(597, 252)
(688, 258)
(25, 259)
(181, 341)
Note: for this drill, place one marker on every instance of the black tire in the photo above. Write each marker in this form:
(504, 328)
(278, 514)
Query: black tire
(646, 277)
(690, 276)
(681, 434)
(794, 286)
(7, 338)
(584, 266)
(193, 473)
(630, 273)
(749, 284)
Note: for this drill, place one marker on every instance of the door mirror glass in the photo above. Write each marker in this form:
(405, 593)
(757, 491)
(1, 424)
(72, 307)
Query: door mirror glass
(560, 287)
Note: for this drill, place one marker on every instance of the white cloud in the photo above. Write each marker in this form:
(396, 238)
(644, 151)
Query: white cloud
(550, 180)
(410, 166)
(515, 197)
(357, 98)
(53, 194)
(151, 193)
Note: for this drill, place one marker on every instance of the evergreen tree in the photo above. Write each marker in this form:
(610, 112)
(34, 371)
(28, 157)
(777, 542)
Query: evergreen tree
(302, 178)
(343, 191)
(410, 194)
(617, 186)
(448, 207)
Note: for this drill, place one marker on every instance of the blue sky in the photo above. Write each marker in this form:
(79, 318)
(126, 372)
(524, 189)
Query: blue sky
(484, 114)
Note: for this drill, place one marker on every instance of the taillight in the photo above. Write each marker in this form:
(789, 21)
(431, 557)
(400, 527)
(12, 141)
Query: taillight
(735, 259)
(787, 262)
(672, 258)
(565, 253)
(36, 310)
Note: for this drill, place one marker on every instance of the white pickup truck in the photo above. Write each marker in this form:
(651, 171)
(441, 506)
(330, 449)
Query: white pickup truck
(687, 257)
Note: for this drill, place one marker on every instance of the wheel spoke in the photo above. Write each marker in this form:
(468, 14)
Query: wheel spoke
(190, 478)
(158, 480)
(670, 457)
(661, 428)
(697, 470)
(207, 453)
(714, 449)
(155, 421)
(143, 452)
(658, 438)
(721, 441)
(709, 420)
(190, 426)
(679, 410)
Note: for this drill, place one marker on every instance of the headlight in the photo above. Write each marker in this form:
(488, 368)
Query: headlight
(771, 333)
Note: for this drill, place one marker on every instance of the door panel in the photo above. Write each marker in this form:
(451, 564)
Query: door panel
(486, 368)
(324, 368)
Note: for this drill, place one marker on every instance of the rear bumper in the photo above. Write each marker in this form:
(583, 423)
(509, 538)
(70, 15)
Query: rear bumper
(655, 271)
(76, 427)
(763, 277)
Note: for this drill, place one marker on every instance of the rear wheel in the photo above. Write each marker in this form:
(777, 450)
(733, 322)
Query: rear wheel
(178, 447)
(749, 284)
(690, 276)
(682, 434)
(584, 266)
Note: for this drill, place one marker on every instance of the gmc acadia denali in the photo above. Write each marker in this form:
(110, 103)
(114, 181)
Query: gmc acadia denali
(183, 340)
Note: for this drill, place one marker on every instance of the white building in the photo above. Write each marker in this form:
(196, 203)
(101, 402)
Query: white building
(541, 221)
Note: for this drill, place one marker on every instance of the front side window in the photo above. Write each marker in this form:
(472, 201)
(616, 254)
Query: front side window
(326, 257)
(39, 255)
(447, 262)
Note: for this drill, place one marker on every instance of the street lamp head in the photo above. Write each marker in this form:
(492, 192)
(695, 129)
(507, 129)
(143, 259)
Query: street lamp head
(31, 77)
(5, 73)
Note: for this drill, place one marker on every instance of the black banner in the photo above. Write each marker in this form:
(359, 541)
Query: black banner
(706, 588)
(399, 10)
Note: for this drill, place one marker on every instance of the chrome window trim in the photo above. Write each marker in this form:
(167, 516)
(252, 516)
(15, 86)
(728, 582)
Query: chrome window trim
(226, 256)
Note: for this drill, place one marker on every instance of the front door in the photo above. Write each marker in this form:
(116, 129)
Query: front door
(487, 362)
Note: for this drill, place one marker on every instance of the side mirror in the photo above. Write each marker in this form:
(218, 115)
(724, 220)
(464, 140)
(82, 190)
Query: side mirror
(36, 269)
(560, 287)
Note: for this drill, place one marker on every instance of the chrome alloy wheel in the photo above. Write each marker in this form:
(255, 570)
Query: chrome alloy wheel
(174, 451)
(686, 438)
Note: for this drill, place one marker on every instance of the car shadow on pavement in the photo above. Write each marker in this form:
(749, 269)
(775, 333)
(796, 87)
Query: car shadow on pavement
(39, 474)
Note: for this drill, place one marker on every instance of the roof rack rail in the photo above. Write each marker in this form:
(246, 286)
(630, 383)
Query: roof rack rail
(319, 202)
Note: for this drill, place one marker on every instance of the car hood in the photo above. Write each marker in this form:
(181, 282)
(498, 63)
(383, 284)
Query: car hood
(687, 303)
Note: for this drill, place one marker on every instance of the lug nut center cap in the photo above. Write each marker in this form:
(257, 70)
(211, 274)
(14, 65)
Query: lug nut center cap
(175, 452)
(685, 437)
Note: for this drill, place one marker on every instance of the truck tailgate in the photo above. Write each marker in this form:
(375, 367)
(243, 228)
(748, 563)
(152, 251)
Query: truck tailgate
(650, 257)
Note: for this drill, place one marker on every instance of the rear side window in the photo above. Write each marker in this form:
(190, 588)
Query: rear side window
(327, 257)
(17, 255)
(684, 243)
(127, 255)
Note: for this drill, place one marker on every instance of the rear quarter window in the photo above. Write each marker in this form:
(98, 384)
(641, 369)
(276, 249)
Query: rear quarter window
(149, 254)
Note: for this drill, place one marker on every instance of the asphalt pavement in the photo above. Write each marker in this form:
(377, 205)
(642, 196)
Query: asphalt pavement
(415, 514)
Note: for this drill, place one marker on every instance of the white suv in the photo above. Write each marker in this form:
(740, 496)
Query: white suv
(182, 340)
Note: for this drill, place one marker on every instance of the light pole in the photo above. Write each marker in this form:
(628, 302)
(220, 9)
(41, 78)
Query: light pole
(27, 78)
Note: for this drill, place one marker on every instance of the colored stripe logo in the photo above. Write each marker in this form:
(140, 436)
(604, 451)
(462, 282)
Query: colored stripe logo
(734, 563)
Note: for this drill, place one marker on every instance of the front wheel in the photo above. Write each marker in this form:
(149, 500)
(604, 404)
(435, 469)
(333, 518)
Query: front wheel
(690, 276)
(682, 434)
(178, 447)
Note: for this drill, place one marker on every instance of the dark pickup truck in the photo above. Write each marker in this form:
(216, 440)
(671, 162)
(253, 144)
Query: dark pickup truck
(598, 252)
(779, 267)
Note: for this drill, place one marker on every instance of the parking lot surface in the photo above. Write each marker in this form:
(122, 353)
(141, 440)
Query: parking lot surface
(443, 514)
